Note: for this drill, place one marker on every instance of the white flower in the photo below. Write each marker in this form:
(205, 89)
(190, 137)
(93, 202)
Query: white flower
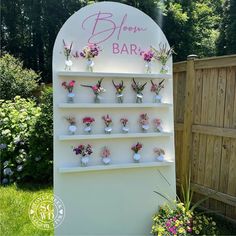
(19, 168)
(3, 146)
(4, 181)
(5, 163)
(37, 158)
(8, 171)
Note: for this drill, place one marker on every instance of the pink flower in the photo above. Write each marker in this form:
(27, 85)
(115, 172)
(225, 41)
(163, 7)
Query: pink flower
(88, 120)
(72, 83)
(95, 88)
(124, 121)
(107, 120)
(144, 119)
(136, 148)
(157, 122)
(105, 152)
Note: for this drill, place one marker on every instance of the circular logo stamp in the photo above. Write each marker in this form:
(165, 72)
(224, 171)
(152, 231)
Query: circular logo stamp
(46, 211)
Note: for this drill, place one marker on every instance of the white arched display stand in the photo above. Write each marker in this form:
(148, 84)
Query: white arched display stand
(119, 198)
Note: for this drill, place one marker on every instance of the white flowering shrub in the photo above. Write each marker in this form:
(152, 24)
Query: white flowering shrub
(17, 118)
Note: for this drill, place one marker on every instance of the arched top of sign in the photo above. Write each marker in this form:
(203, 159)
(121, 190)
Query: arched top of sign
(121, 31)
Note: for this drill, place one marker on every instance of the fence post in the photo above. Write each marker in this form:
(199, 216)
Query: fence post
(188, 120)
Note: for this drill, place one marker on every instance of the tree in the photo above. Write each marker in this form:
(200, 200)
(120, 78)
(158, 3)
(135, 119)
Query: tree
(29, 29)
(227, 43)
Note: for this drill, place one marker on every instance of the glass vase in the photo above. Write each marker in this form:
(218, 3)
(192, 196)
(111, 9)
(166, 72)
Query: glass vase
(159, 128)
(70, 97)
(136, 157)
(88, 128)
(125, 129)
(72, 129)
(148, 67)
(97, 98)
(68, 64)
(106, 160)
(90, 65)
(139, 98)
(120, 98)
(160, 158)
(145, 128)
(157, 98)
(164, 69)
(108, 129)
(84, 161)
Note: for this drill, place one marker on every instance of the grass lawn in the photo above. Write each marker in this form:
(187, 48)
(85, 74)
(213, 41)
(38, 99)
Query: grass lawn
(14, 205)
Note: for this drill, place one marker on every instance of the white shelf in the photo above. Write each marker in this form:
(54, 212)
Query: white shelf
(114, 166)
(114, 136)
(115, 105)
(83, 74)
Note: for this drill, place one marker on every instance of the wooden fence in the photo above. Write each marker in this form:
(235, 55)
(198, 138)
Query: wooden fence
(205, 129)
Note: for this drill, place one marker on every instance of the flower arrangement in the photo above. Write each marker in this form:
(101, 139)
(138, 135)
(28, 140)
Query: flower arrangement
(124, 122)
(119, 91)
(156, 88)
(89, 52)
(159, 151)
(107, 120)
(71, 120)
(163, 54)
(105, 154)
(144, 121)
(147, 57)
(69, 86)
(67, 53)
(97, 90)
(83, 150)
(137, 147)
(138, 88)
(157, 122)
(88, 120)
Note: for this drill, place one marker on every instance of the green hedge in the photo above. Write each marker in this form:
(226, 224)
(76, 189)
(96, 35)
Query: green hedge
(15, 80)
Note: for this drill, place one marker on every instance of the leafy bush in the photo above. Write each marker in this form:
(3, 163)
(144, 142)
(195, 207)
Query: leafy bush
(15, 80)
(18, 119)
(41, 141)
(26, 140)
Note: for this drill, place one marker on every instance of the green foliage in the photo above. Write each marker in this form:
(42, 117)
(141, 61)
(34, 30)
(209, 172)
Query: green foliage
(192, 26)
(26, 140)
(18, 119)
(227, 43)
(41, 142)
(15, 80)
